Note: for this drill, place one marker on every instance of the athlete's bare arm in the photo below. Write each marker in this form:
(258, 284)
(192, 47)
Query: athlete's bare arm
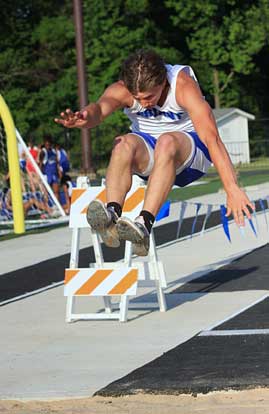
(189, 96)
(116, 96)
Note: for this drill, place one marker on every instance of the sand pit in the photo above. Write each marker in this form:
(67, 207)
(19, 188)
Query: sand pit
(235, 402)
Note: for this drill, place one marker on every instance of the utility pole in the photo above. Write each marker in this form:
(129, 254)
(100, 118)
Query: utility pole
(82, 85)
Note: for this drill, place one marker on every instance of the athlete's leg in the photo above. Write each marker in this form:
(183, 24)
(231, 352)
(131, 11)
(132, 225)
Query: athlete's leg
(172, 151)
(129, 154)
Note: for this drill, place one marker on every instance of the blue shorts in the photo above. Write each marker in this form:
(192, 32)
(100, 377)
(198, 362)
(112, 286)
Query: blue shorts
(23, 165)
(52, 179)
(193, 168)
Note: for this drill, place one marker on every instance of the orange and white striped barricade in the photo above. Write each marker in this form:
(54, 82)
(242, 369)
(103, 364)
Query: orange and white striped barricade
(149, 273)
(101, 282)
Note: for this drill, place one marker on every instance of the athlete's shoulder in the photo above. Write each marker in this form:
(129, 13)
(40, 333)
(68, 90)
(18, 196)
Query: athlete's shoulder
(179, 75)
(119, 92)
(186, 85)
(185, 73)
(183, 78)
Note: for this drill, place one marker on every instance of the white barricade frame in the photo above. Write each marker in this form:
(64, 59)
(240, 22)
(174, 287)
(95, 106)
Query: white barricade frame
(149, 273)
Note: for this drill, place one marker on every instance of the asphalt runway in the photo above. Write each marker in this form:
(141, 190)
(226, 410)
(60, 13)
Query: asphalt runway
(232, 354)
(157, 352)
(249, 272)
(50, 272)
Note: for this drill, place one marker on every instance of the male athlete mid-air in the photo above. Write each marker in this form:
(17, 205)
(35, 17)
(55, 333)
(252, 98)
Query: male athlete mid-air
(173, 139)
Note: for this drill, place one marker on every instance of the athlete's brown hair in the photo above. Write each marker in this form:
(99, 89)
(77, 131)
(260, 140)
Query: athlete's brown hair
(142, 71)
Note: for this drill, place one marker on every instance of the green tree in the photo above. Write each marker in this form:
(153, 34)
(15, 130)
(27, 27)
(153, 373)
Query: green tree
(223, 38)
(225, 41)
(36, 61)
(113, 30)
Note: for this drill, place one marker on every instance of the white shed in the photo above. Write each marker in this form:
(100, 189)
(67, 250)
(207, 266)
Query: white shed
(233, 128)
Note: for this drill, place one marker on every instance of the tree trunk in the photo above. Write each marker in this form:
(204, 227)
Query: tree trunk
(216, 88)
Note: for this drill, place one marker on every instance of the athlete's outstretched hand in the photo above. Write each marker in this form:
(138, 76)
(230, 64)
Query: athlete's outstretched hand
(238, 203)
(71, 119)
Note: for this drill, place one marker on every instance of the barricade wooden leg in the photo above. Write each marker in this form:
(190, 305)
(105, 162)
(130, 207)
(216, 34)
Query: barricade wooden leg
(128, 253)
(159, 275)
(108, 305)
(161, 298)
(99, 260)
(74, 248)
(69, 308)
(74, 258)
(124, 300)
(124, 308)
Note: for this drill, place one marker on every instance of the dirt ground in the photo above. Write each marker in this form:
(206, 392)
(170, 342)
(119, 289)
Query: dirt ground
(254, 401)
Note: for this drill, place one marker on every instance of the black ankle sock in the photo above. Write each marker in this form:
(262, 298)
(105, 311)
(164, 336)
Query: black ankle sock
(148, 219)
(116, 206)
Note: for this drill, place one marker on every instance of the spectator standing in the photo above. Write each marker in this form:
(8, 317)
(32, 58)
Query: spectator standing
(63, 159)
(49, 164)
(22, 161)
(30, 168)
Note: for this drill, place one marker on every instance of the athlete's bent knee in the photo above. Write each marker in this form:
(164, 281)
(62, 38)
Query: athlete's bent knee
(166, 147)
(123, 146)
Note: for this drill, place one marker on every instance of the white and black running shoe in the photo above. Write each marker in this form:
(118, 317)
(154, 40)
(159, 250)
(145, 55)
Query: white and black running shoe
(103, 220)
(135, 232)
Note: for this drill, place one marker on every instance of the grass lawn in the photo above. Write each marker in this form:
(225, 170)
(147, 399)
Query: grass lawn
(33, 231)
(213, 184)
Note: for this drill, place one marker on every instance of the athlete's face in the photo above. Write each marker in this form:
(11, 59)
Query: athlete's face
(151, 97)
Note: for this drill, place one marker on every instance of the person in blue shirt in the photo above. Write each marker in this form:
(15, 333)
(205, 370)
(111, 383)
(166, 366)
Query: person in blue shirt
(63, 159)
(50, 165)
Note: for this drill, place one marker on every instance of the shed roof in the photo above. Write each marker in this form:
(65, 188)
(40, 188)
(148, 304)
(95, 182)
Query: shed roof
(223, 113)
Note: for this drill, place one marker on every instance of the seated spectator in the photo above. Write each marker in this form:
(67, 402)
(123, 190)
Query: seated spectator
(5, 210)
(29, 202)
(67, 186)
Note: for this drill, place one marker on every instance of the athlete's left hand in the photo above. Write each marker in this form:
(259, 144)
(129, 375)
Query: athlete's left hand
(238, 203)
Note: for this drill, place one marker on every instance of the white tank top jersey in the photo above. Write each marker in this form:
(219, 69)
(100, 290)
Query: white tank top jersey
(166, 118)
